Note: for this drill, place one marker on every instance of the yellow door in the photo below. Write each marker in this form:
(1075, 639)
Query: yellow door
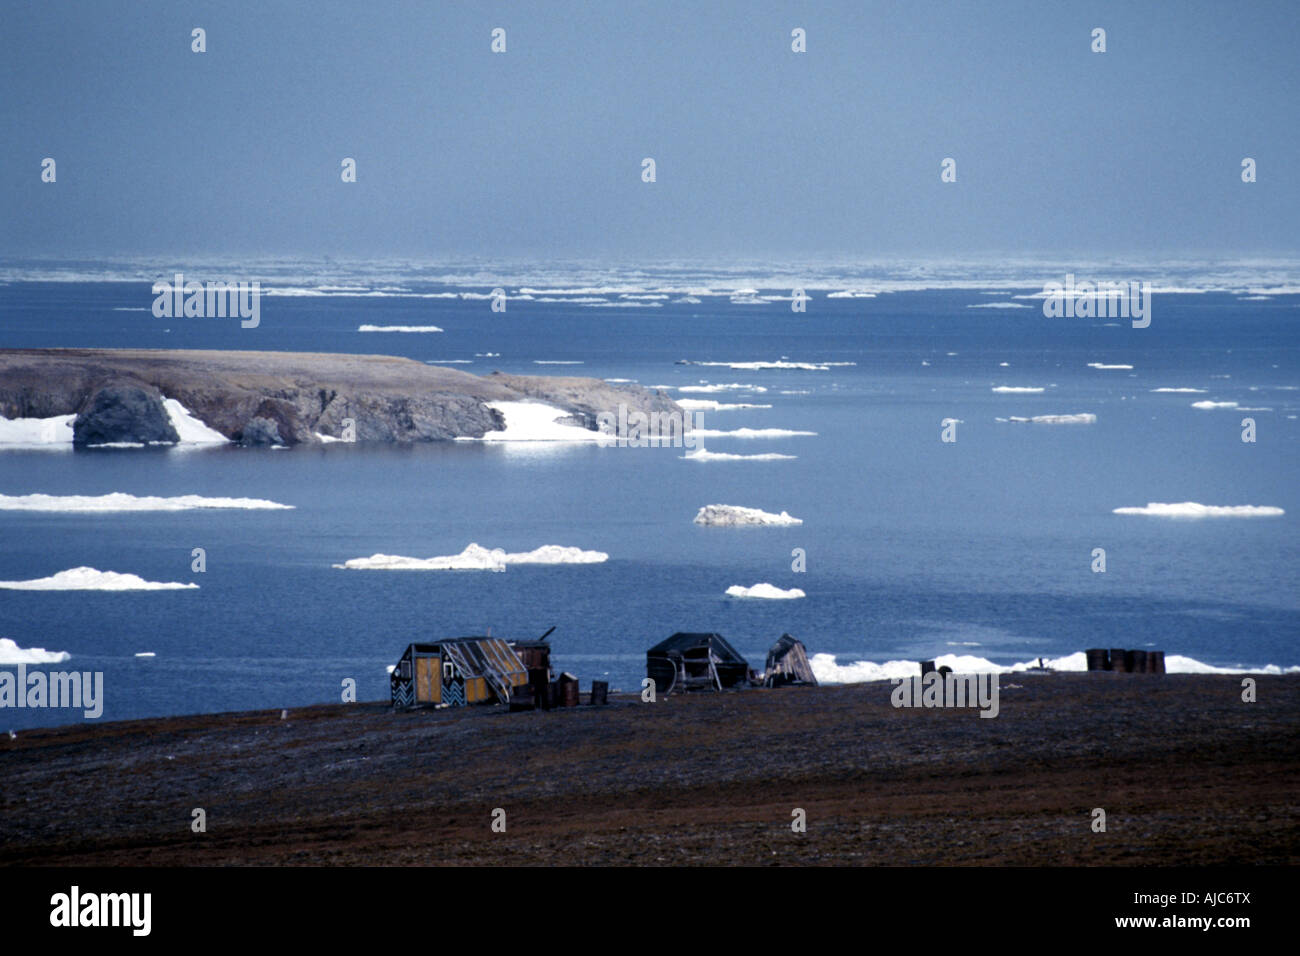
(428, 680)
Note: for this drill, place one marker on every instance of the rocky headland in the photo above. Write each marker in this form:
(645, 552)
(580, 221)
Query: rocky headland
(285, 398)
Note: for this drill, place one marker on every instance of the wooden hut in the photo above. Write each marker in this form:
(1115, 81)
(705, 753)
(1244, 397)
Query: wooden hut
(787, 663)
(455, 672)
(695, 661)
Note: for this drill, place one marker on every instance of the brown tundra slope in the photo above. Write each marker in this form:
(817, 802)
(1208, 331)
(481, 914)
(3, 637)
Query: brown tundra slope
(1186, 772)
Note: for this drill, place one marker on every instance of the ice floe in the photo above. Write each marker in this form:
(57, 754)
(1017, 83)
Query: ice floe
(710, 405)
(721, 387)
(702, 454)
(748, 433)
(92, 579)
(1194, 509)
(11, 653)
(475, 557)
(120, 501)
(398, 328)
(764, 591)
(1083, 418)
(735, 516)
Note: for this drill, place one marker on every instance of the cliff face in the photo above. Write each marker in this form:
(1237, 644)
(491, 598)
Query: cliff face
(248, 396)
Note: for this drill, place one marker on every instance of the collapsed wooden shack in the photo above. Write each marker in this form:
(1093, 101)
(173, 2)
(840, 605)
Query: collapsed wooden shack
(456, 672)
(787, 663)
(536, 658)
(695, 661)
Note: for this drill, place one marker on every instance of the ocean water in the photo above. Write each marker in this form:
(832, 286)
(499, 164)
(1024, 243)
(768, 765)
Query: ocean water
(915, 548)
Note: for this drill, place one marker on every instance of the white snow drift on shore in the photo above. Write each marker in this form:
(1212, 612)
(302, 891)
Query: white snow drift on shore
(37, 431)
(57, 431)
(11, 653)
(91, 579)
(535, 421)
(765, 591)
(1194, 509)
(475, 557)
(120, 501)
(734, 516)
(191, 430)
(829, 671)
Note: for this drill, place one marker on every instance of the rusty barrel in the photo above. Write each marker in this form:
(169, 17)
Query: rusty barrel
(568, 690)
(600, 692)
(926, 667)
(1116, 659)
(1156, 662)
(1139, 662)
(1098, 659)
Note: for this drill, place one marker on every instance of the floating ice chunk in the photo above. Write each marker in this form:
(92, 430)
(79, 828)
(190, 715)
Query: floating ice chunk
(11, 653)
(477, 558)
(702, 454)
(1083, 418)
(1193, 509)
(398, 328)
(119, 501)
(765, 591)
(705, 389)
(735, 516)
(709, 405)
(91, 579)
(748, 433)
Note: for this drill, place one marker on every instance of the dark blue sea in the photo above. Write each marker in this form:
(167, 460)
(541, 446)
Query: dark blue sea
(915, 548)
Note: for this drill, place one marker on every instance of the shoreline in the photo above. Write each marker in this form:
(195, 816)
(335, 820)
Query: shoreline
(1187, 772)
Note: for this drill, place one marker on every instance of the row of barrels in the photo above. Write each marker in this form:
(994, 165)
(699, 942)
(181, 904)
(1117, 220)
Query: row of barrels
(1127, 662)
(540, 692)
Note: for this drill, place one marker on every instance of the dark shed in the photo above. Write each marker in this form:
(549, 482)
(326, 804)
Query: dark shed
(687, 661)
(787, 663)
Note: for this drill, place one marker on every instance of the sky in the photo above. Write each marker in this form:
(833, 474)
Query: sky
(759, 151)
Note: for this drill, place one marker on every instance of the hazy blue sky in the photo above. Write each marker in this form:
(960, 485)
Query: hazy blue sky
(759, 151)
